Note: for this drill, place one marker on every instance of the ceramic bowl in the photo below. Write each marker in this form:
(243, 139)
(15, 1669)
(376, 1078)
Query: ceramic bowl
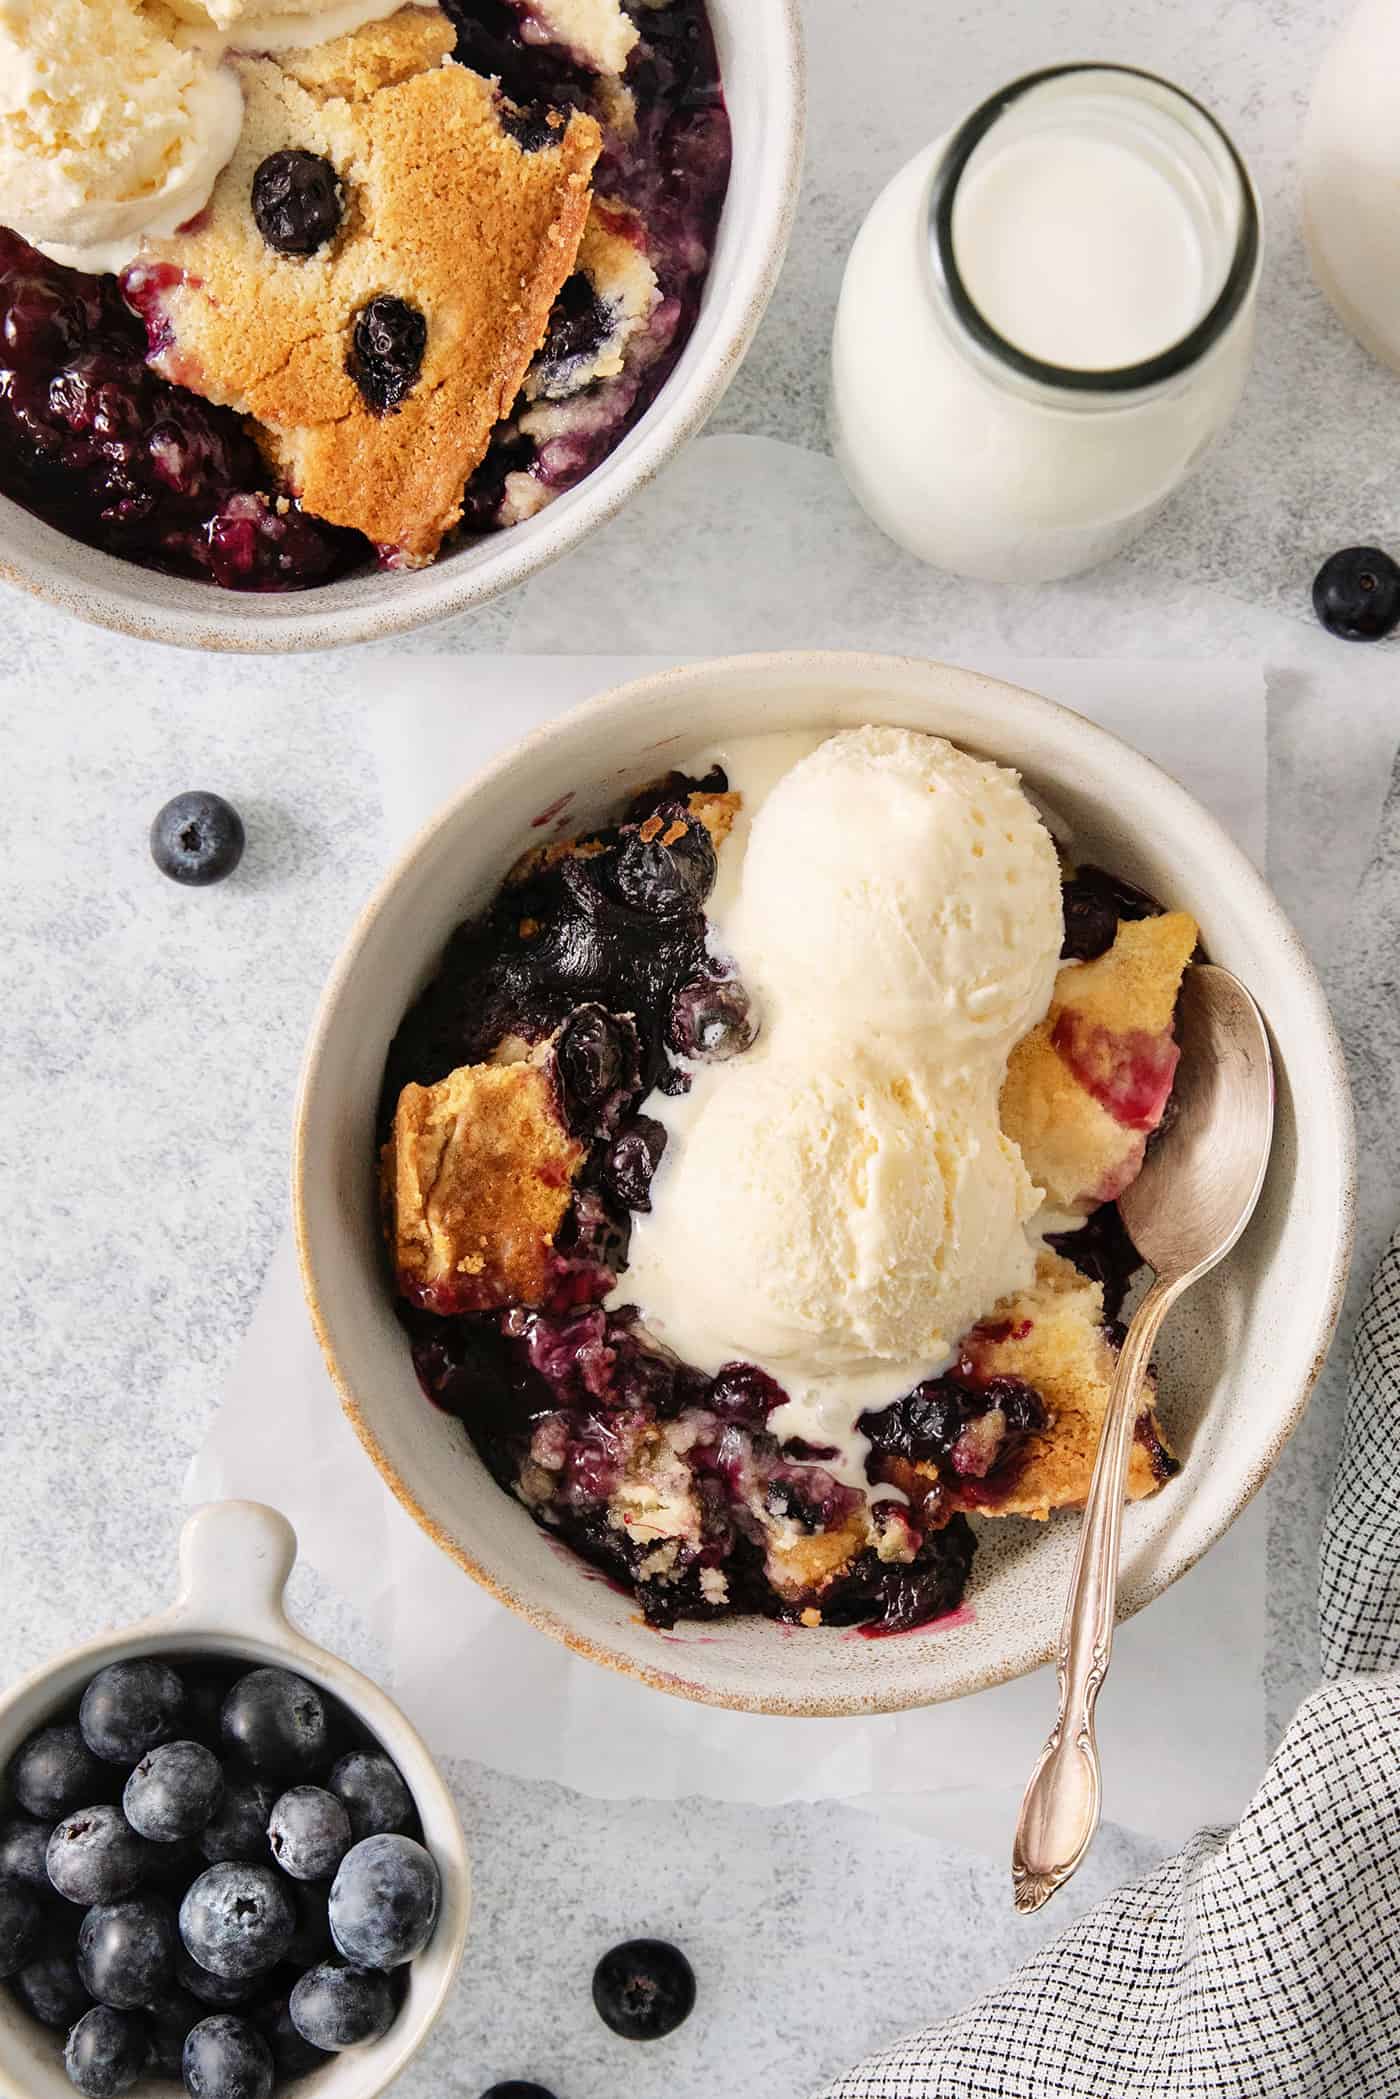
(235, 1557)
(1239, 1356)
(761, 60)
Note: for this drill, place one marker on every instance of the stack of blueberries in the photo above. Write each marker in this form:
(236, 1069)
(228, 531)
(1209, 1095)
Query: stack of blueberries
(214, 1877)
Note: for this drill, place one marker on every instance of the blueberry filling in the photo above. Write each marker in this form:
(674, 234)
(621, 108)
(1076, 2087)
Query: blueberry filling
(571, 1402)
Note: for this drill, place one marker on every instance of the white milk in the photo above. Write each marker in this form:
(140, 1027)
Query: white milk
(1351, 178)
(1101, 222)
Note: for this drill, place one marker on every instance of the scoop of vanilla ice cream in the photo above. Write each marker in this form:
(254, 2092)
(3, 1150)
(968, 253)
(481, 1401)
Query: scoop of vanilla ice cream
(828, 1222)
(279, 25)
(896, 887)
(110, 126)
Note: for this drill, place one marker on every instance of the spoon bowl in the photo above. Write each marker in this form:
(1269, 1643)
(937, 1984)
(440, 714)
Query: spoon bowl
(1188, 1206)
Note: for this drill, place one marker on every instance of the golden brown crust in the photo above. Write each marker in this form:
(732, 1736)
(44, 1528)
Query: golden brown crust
(1074, 1148)
(478, 1173)
(1054, 1339)
(444, 209)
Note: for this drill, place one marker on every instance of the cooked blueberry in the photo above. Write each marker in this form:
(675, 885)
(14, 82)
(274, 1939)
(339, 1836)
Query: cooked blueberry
(173, 1791)
(336, 2008)
(597, 1066)
(126, 1951)
(24, 1851)
(311, 1941)
(237, 1920)
(384, 1902)
(21, 1926)
(1094, 903)
(95, 1856)
(297, 201)
(309, 1832)
(55, 1772)
(106, 2052)
(238, 1827)
(667, 864)
(386, 356)
(169, 2018)
(292, 2054)
(277, 1723)
(532, 127)
(712, 1021)
(374, 1795)
(131, 1707)
(225, 2057)
(579, 324)
(51, 1990)
(197, 838)
(218, 1991)
(633, 1160)
(644, 1989)
(1356, 594)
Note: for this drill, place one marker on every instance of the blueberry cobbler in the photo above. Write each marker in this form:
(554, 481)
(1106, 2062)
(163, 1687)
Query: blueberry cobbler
(749, 1172)
(301, 288)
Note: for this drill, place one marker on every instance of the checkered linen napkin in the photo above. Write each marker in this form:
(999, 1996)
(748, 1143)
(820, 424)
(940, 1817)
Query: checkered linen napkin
(1262, 1962)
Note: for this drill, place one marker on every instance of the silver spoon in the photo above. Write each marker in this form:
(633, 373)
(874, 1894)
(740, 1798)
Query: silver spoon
(1187, 1207)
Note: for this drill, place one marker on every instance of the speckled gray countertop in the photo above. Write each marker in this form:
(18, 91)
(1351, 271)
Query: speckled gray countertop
(149, 1040)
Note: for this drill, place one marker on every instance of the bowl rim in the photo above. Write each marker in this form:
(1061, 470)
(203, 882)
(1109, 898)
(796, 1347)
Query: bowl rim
(248, 1622)
(120, 604)
(620, 701)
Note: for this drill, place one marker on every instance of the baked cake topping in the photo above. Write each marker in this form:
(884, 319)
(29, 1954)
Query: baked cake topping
(409, 285)
(1089, 1084)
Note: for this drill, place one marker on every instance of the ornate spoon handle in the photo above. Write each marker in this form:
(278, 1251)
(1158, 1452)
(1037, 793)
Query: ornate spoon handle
(1061, 1809)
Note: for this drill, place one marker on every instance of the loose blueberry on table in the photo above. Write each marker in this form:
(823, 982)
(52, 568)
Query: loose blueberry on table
(644, 1989)
(197, 839)
(188, 1932)
(1356, 594)
(553, 1016)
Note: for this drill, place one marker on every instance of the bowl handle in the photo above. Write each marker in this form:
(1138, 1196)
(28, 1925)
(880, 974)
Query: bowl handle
(235, 1558)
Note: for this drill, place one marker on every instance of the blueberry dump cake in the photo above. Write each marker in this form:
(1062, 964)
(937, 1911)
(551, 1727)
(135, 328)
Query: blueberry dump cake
(295, 289)
(749, 1170)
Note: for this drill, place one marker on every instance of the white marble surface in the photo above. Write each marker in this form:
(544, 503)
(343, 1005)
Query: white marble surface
(149, 1040)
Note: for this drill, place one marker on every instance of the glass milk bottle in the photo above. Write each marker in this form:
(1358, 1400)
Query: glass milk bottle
(1351, 178)
(1045, 319)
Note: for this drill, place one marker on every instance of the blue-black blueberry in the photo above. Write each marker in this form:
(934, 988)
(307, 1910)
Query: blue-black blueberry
(384, 1901)
(173, 1791)
(130, 1707)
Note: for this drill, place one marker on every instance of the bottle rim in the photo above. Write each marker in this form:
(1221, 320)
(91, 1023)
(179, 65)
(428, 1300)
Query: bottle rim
(1153, 371)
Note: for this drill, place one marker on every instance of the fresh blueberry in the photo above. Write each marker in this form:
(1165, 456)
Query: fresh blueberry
(1356, 594)
(373, 1793)
(644, 1989)
(169, 2018)
(516, 2090)
(21, 1926)
(292, 2054)
(51, 1990)
(55, 1772)
(197, 839)
(386, 355)
(667, 864)
(384, 1902)
(711, 1021)
(633, 1159)
(106, 2052)
(336, 2008)
(238, 1827)
(217, 1991)
(311, 1941)
(130, 1707)
(309, 1831)
(173, 1792)
(24, 1851)
(297, 201)
(126, 1951)
(237, 1920)
(95, 1856)
(277, 1723)
(227, 2058)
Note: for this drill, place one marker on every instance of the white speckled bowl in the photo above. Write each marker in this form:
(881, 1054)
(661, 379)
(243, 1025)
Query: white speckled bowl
(1239, 1357)
(761, 61)
(235, 1557)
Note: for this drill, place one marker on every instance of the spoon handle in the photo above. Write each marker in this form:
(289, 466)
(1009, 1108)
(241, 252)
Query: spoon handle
(1061, 1809)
